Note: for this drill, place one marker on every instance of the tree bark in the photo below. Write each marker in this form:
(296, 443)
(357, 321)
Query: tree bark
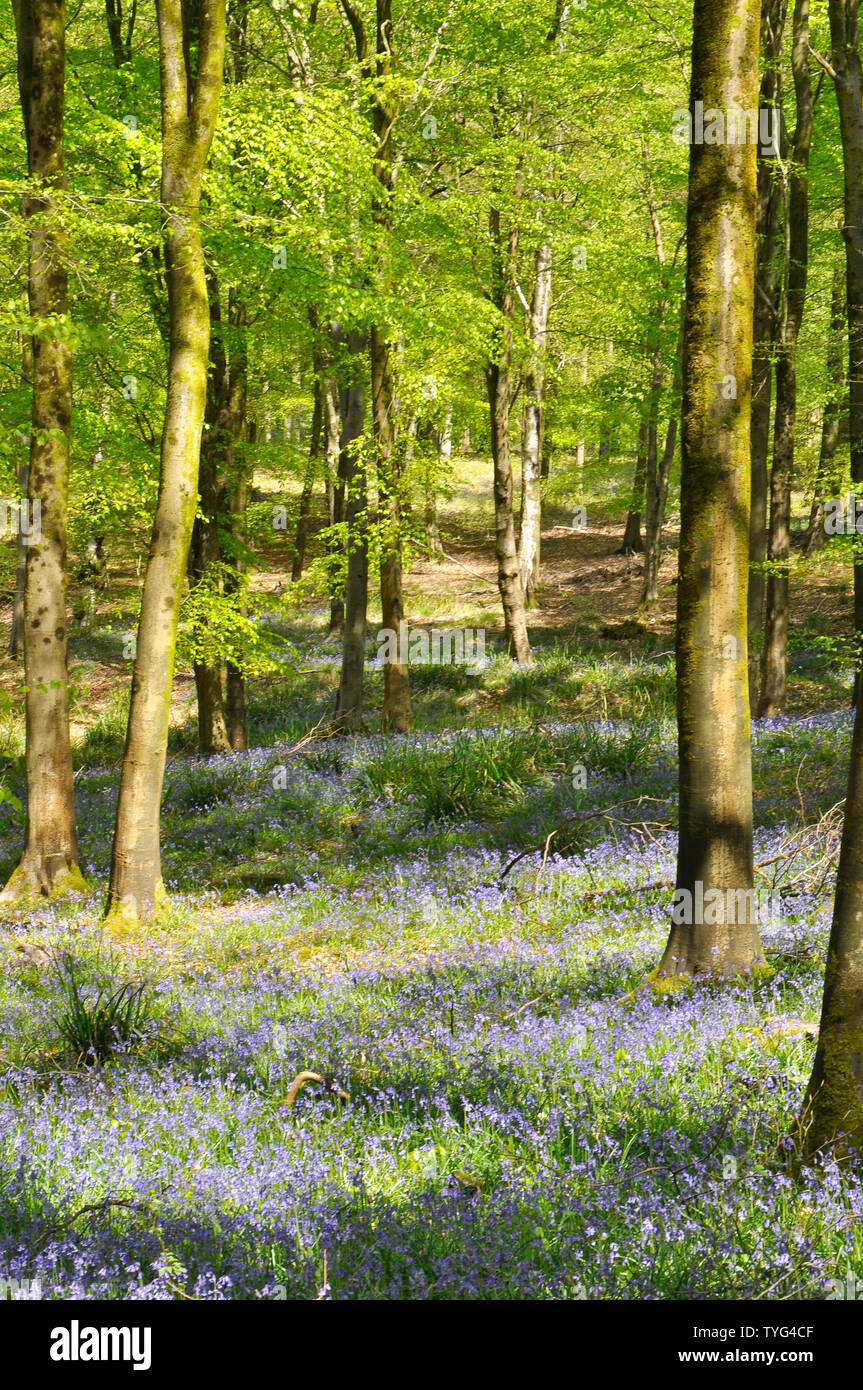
(657, 493)
(765, 319)
(775, 675)
(49, 862)
(312, 467)
(827, 476)
(832, 1115)
(396, 710)
(189, 107)
(715, 835)
(845, 60)
(497, 376)
(632, 544)
(531, 432)
(348, 712)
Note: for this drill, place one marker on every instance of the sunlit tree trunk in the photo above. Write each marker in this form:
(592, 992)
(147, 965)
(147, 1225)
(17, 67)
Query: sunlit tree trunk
(190, 100)
(531, 430)
(715, 834)
(49, 862)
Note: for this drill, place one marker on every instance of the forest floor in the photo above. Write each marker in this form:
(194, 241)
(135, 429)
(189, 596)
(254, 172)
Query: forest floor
(508, 1107)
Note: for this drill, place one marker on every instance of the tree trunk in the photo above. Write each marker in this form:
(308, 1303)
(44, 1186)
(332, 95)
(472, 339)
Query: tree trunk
(311, 469)
(348, 712)
(775, 675)
(396, 710)
(845, 59)
(764, 322)
(657, 493)
(239, 474)
(189, 108)
(834, 1099)
(531, 433)
(580, 445)
(827, 477)
(632, 543)
(497, 375)
(715, 837)
(49, 862)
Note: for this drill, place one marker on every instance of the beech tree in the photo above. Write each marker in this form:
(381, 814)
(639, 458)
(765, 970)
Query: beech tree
(715, 815)
(49, 863)
(191, 61)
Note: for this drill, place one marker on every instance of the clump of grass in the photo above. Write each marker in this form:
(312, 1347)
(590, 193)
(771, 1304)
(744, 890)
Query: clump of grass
(95, 1025)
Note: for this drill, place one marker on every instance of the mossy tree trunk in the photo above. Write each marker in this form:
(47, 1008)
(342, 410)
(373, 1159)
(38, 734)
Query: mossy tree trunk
(715, 833)
(49, 862)
(190, 90)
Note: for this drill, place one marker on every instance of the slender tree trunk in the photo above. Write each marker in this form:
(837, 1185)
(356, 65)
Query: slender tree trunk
(833, 1109)
(337, 595)
(497, 375)
(531, 433)
(235, 680)
(657, 494)
(348, 713)
(775, 675)
(845, 59)
(656, 480)
(632, 543)
(396, 711)
(827, 479)
(204, 550)
(764, 323)
(312, 467)
(715, 838)
(49, 862)
(189, 107)
(580, 445)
